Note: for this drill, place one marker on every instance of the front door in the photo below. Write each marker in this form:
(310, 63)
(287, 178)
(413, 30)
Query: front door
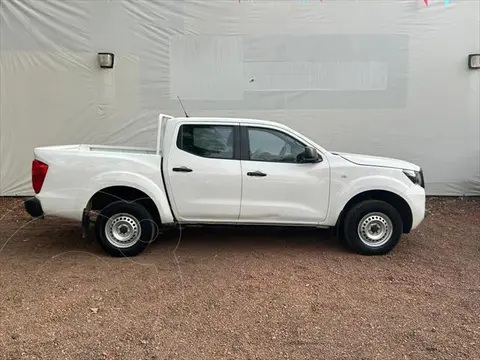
(205, 173)
(277, 186)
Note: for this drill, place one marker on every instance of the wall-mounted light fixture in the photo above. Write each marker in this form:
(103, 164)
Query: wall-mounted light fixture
(106, 60)
(474, 61)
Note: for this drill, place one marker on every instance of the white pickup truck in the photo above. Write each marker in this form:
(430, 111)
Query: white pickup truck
(228, 171)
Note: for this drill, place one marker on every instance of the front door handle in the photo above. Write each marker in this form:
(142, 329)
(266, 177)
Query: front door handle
(182, 169)
(256, 173)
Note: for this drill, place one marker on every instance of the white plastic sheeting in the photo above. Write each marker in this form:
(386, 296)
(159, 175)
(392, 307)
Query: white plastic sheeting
(384, 77)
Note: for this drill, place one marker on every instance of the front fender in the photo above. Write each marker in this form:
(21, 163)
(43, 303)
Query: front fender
(124, 178)
(343, 192)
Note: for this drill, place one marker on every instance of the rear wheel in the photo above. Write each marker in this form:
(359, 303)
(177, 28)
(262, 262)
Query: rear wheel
(373, 227)
(124, 228)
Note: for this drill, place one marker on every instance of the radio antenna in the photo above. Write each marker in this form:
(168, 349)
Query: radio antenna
(186, 115)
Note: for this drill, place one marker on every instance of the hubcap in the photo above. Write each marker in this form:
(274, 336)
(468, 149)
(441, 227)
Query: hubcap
(123, 230)
(375, 229)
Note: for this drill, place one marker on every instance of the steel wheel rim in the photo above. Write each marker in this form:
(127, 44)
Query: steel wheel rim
(375, 229)
(123, 230)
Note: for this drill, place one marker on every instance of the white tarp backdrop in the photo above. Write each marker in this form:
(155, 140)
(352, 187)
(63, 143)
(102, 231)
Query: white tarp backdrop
(382, 77)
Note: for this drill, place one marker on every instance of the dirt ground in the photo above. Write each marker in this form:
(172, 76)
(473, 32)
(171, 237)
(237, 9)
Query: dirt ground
(241, 293)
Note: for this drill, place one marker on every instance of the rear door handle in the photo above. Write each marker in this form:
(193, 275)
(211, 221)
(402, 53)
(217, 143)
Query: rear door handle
(256, 173)
(182, 169)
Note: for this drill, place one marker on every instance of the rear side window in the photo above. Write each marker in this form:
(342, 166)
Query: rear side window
(210, 141)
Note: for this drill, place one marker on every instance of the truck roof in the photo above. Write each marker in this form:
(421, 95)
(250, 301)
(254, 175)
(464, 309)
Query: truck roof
(228, 120)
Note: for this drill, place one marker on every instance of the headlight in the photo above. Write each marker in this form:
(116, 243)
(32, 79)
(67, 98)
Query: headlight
(415, 176)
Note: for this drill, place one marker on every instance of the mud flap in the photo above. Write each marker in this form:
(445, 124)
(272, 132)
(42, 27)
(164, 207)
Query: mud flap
(85, 222)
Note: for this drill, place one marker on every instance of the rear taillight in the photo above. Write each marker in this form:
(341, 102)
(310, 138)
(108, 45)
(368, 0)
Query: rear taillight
(39, 171)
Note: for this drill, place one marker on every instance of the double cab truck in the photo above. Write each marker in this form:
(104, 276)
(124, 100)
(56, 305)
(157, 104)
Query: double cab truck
(226, 171)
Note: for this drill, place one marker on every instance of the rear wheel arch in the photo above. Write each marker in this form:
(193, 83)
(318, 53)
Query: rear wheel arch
(399, 203)
(108, 195)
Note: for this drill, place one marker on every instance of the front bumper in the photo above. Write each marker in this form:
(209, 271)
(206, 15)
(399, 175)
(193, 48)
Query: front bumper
(417, 201)
(33, 207)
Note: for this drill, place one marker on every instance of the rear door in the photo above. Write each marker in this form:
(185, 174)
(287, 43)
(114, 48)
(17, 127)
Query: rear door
(277, 186)
(204, 172)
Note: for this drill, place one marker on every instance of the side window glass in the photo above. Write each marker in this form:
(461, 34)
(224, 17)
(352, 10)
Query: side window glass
(273, 146)
(210, 141)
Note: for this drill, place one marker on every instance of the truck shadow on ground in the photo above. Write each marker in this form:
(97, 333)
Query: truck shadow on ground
(246, 238)
(51, 237)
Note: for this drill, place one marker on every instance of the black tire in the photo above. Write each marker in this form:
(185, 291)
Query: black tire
(137, 221)
(380, 214)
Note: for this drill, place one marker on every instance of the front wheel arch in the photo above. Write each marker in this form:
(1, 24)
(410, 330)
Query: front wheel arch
(399, 203)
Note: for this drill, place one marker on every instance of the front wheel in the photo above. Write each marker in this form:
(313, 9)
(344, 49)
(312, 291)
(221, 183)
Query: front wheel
(124, 228)
(373, 227)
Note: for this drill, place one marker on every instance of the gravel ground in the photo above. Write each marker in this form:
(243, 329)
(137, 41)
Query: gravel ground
(241, 293)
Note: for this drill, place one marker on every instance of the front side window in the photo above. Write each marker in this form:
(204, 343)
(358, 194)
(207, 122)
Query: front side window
(210, 141)
(274, 146)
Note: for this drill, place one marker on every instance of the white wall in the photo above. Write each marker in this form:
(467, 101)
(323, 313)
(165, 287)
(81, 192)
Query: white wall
(379, 77)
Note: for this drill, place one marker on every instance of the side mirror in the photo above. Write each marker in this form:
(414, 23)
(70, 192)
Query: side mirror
(310, 155)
